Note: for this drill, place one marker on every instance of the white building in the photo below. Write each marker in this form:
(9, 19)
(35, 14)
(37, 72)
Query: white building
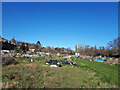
(5, 51)
(58, 54)
(77, 54)
(47, 53)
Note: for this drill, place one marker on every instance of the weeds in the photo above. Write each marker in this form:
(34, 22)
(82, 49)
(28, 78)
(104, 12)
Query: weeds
(84, 75)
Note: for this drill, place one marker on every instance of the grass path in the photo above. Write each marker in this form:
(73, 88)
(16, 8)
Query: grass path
(107, 72)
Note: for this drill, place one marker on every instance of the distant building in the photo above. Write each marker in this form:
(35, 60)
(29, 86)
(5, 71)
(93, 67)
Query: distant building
(31, 48)
(18, 45)
(11, 45)
(6, 45)
(47, 53)
(5, 51)
(77, 54)
(58, 54)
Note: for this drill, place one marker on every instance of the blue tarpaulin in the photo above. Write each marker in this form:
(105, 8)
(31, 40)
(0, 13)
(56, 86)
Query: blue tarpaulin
(99, 61)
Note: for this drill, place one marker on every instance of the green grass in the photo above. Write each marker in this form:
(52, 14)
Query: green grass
(107, 72)
(38, 75)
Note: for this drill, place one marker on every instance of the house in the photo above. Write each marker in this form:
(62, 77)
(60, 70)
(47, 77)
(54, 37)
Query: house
(31, 48)
(6, 44)
(2, 39)
(19, 43)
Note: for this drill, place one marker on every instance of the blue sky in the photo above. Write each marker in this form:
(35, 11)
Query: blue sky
(61, 24)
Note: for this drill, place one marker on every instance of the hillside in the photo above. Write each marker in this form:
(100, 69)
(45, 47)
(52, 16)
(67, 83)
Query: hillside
(85, 74)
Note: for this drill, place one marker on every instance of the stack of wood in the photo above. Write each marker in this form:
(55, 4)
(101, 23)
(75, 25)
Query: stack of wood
(69, 60)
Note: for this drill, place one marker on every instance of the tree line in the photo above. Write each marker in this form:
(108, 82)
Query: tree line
(23, 47)
(111, 49)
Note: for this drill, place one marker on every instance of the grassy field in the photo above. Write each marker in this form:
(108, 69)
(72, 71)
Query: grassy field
(85, 74)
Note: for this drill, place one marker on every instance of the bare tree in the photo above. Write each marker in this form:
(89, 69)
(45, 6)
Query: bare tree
(38, 43)
(13, 40)
(76, 49)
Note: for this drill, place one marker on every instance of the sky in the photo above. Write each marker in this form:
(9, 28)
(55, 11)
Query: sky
(61, 24)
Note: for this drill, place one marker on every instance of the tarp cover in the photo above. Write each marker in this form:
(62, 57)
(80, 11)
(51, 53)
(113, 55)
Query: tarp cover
(99, 61)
